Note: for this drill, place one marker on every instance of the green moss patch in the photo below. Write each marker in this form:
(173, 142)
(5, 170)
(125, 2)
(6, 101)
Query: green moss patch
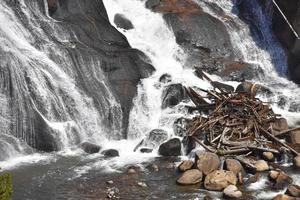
(5, 186)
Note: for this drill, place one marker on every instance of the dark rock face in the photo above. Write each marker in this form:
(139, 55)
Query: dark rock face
(170, 148)
(109, 153)
(90, 147)
(122, 22)
(203, 37)
(291, 8)
(189, 144)
(173, 95)
(77, 64)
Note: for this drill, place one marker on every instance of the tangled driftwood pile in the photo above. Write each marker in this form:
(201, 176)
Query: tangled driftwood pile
(236, 122)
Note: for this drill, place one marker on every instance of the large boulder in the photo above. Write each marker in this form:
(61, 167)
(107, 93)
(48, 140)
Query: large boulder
(90, 147)
(170, 148)
(121, 21)
(173, 95)
(219, 179)
(207, 162)
(190, 177)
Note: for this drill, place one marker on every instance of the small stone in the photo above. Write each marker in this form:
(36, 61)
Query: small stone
(146, 150)
(234, 166)
(232, 191)
(293, 190)
(131, 171)
(273, 174)
(110, 182)
(297, 161)
(185, 165)
(123, 22)
(142, 184)
(269, 156)
(190, 177)
(170, 166)
(261, 166)
(207, 162)
(154, 167)
(282, 197)
(219, 179)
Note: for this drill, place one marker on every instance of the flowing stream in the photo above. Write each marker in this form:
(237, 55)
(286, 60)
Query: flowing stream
(55, 175)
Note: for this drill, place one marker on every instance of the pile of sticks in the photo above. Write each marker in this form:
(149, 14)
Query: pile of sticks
(235, 122)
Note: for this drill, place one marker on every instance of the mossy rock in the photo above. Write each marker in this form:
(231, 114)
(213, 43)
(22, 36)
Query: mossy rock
(5, 186)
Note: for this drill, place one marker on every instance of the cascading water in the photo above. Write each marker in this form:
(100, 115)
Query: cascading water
(41, 102)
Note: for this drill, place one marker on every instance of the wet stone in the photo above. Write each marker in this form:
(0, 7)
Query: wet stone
(170, 148)
(109, 153)
(207, 162)
(190, 177)
(185, 165)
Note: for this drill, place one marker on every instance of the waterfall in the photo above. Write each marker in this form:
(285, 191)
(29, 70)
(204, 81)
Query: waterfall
(43, 95)
(152, 35)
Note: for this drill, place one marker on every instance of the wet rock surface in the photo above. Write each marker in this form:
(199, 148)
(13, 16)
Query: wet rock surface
(109, 153)
(90, 147)
(219, 179)
(173, 95)
(207, 162)
(190, 177)
(170, 148)
(122, 22)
